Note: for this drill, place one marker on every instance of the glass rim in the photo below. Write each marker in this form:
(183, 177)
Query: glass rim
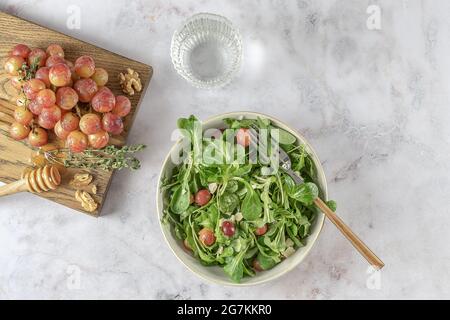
(195, 81)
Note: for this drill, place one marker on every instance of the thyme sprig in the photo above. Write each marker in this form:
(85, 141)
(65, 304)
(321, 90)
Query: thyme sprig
(108, 158)
(28, 72)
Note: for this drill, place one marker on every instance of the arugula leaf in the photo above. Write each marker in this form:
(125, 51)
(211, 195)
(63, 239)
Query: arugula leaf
(232, 186)
(285, 137)
(228, 202)
(209, 174)
(332, 205)
(288, 183)
(292, 232)
(266, 262)
(191, 128)
(268, 216)
(185, 214)
(235, 266)
(251, 205)
(208, 218)
(304, 225)
(278, 243)
(236, 124)
(304, 193)
(180, 200)
(238, 171)
(263, 123)
(213, 152)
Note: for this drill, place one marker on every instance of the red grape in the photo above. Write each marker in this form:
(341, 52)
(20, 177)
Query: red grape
(186, 245)
(13, 64)
(35, 107)
(37, 57)
(112, 123)
(228, 228)
(103, 101)
(18, 131)
(257, 266)
(53, 60)
(66, 98)
(51, 114)
(85, 66)
(21, 50)
(55, 50)
(77, 141)
(32, 87)
(46, 98)
(60, 75)
(202, 197)
(243, 137)
(90, 123)
(42, 74)
(122, 107)
(262, 230)
(60, 132)
(207, 237)
(69, 121)
(98, 140)
(23, 116)
(86, 89)
(45, 123)
(38, 137)
(100, 77)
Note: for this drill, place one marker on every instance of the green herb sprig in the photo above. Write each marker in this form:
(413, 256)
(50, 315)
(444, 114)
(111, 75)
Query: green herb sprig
(28, 72)
(108, 158)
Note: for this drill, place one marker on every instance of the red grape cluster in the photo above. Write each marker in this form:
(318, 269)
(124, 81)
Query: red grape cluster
(50, 92)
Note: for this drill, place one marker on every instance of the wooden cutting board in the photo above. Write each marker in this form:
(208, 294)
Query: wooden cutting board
(15, 156)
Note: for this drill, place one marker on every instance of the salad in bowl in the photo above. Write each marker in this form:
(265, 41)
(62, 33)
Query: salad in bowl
(228, 213)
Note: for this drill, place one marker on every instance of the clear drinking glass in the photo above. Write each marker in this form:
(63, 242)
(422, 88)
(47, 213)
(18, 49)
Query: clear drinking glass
(207, 50)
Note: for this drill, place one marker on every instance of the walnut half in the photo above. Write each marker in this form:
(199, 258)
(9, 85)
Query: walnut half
(87, 202)
(130, 82)
(81, 180)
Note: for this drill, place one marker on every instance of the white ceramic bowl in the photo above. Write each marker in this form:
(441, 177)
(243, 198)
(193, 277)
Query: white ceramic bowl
(214, 273)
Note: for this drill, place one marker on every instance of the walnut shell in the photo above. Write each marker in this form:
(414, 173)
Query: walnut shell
(130, 82)
(81, 179)
(87, 202)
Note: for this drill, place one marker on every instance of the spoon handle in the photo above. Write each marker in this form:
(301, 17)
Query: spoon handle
(362, 248)
(13, 187)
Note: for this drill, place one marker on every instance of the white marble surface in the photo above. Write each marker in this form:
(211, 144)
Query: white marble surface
(374, 103)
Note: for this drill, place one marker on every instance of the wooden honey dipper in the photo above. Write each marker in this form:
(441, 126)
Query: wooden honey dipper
(35, 181)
